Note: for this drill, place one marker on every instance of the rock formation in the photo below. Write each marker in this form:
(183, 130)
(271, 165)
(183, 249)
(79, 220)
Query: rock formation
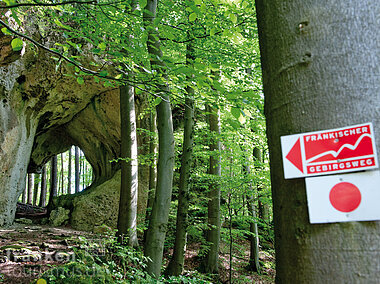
(43, 112)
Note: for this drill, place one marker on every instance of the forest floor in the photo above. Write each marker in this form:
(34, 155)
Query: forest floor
(27, 251)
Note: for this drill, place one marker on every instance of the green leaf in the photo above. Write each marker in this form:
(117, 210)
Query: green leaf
(235, 111)
(80, 80)
(233, 18)
(197, 2)
(102, 46)
(119, 76)
(59, 24)
(103, 73)
(143, 3)
(6, 31)
(157, 101)
(192, 17)
(17, 44)
(212, 31)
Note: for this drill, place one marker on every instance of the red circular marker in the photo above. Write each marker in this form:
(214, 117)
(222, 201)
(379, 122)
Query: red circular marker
(345, 197)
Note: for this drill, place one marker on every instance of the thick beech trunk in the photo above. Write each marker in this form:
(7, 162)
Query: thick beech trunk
(176, 263)
(127, 218)
(321, 66)
(213, 233)
(154, 245)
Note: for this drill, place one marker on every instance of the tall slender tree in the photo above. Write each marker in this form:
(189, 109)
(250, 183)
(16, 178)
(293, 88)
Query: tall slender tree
(53, 180)
(69, 173)
(211, 261)
(30, 189)
(127, 218)
(62, 175)
(77, 169)
(37, 180)
(254, 263)
(176, 263)
(154, 245)
(42, 202)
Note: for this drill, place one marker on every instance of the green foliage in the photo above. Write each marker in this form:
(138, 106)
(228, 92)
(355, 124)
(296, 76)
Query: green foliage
(17, 44)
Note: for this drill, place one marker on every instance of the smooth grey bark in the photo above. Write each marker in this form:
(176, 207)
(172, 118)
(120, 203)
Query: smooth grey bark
(176, 263)
(30, 188)
(213, 217)
(152, 170)
(42, 202)
(154, 245)
(321, 66)
(254, 263)
(69, 173)
(62, 176)
(53, 180)
(127, 218)
(35, 188)
(76, 169)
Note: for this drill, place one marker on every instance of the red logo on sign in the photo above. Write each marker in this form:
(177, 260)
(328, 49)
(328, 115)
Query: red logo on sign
(340, 150)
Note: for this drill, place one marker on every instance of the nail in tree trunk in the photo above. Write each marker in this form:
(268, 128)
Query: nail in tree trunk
(76, 169)
(42, 202)
(321, 66)
(176, 263)
(69, 174)
(154, 245)
(213, 217)
(127, 218)
(35, 189)
(254, 264)
(53, 180)
(30, 189)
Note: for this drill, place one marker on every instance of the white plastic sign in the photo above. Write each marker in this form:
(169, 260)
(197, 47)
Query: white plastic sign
(343, 198)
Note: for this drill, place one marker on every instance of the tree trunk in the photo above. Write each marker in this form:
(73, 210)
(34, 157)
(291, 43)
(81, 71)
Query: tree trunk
(69, 174)
(213, 233)
(77, 179)
(126, 223)
(35, 189)
(321, 66)
(154, 245)
(152, 171)
(254, 263)
(42, 202)
(62, 176)
(176, 263)
(30, 188)
(53, 180)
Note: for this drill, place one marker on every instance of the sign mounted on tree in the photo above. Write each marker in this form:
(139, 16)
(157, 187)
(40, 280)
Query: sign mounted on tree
(332, 151)
(343, 198)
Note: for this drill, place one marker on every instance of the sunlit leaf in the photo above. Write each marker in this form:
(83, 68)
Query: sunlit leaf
(192, 17)
(236, 112)
(80, 80)
(17, 44)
